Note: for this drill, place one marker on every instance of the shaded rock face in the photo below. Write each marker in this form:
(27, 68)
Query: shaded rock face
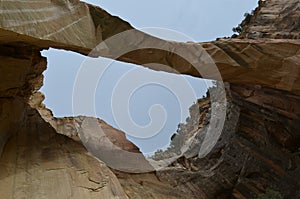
(148, 185)
(268, 133)
(35, 161)
(259, 145)
(12, 115)
(39, 163)
(21, 70)
(256, 151)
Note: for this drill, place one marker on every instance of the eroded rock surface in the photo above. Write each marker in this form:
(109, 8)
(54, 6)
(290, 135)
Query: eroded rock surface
(275, 19)
(258, 148)
(35, 161)
(20, 75)
(39, 163)
(74, 25)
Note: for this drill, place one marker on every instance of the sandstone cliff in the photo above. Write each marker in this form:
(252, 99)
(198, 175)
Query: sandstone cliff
(258, 147)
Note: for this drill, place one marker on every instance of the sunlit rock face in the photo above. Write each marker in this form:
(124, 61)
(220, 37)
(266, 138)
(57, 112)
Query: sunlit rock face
(258, 150)
(274, 19)
(74, 25)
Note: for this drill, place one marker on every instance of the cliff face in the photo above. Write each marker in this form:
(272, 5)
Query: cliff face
(274, 19)
(39, 163)
(36, 162)
(81, 27)
(257, 150)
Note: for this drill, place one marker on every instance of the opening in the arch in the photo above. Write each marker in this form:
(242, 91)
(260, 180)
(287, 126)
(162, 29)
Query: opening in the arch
(154, 102)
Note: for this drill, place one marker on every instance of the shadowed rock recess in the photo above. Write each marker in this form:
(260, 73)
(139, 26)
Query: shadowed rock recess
(259, 148)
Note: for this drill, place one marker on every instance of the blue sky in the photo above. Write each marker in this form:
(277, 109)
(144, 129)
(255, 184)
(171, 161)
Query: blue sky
(159, 99)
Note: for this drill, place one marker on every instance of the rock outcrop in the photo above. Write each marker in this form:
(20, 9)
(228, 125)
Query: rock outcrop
(254, 153)
(39, 163)
(74, 25)
(35, 161)
(259, 146)
(274, 19)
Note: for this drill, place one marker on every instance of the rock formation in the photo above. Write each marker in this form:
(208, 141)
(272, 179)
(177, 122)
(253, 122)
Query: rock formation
(259, 146)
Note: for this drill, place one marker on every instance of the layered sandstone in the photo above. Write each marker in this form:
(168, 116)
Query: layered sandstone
(274, 19)
(258, 147)
(35, 161)
(39, 163)
(74, 25)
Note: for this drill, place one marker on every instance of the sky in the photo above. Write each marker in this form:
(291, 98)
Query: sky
(145, 104)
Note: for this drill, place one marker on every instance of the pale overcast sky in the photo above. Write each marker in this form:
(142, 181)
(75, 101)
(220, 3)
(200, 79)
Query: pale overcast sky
(157, 96)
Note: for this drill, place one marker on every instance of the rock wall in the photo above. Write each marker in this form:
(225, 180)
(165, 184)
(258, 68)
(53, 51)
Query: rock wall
(35, 161)
(81, 27)
(274, 19)
(256, 153)
(39, 163)
(20, 75)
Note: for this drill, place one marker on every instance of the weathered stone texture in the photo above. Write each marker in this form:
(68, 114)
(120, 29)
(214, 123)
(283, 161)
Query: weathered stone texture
(275, 19)
(238, 61)
(39, 163)
(259, 146)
